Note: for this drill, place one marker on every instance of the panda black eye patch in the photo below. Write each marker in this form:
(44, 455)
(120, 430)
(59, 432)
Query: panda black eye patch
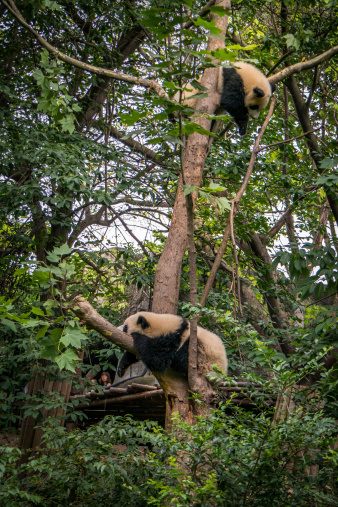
(125, 328)
(253, 107)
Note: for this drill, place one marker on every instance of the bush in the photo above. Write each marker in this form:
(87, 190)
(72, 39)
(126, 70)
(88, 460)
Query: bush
(232, 457)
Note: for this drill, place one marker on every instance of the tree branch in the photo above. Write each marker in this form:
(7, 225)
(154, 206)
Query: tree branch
(134, 145)
(147, 83)
(84, 311)
(300, 66)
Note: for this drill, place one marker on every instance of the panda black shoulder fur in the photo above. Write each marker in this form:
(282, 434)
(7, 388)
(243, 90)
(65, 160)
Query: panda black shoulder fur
(244, 91)
(162, 341)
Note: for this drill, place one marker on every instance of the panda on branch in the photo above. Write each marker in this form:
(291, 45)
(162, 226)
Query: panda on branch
(162, 342)
(244, 91)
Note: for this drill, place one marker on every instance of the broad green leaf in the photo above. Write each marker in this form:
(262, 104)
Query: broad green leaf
(10, 324)
(222, 203)
(67, 360)
(189, 189)
(62, 250)
(41, 332)
(37, 311)
(73, 336)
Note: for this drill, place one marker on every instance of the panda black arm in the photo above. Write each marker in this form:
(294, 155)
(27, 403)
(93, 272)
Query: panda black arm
(180, 361)
(126, 360)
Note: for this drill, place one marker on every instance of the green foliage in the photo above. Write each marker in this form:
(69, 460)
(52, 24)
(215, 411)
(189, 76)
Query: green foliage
(65, 183)
(232, 457)
(206, 194)
(54, 98)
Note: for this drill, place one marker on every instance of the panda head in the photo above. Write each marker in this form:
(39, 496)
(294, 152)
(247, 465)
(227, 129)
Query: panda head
(152, 324)
(257, 88)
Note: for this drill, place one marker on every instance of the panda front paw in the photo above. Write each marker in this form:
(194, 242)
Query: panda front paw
(121, 371)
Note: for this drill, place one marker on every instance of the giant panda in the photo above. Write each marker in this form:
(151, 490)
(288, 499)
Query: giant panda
(162, 342)
(244, 91)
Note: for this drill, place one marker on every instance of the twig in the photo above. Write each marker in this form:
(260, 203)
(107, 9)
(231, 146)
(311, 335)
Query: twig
(130, 232)
(287, 140)
(236, 200)
(231, 219)
(279, 62)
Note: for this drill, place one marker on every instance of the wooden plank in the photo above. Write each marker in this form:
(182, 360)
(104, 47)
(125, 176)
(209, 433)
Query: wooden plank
(143, 387)
(121, 399)
(117, 391)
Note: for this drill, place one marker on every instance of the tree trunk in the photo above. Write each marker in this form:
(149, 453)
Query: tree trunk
(168, 272)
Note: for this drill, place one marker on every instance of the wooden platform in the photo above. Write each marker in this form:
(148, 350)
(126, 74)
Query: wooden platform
(148, 402)
(139, 400)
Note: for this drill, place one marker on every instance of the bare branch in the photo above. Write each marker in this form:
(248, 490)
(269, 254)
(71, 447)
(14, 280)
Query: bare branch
(280, 223)
(288, 140)
(231, 221)
(300, 66)
(134, 145)
(130, 232)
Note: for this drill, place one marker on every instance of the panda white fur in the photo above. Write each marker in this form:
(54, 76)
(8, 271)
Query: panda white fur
(244, 91)
(162, 341)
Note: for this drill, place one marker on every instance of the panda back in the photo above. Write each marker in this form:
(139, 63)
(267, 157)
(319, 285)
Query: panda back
(210, 351)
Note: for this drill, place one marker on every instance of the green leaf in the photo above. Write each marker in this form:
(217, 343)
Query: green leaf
(169, 84)
(189, 189)
(73, 336)
(216, 187)
(190, 127)
(39, 76)
(222, 203)
(50, 346)
(67, 360)
(37, 311)
(40, 276)
(68, 123)
(53, 258)
(219, 10)
(205, 195)
(10, 324)
(41, 332)
(62, 250)
(208, 25)
(329, 162)
(328, 180)
(49, 304)
(291, 41)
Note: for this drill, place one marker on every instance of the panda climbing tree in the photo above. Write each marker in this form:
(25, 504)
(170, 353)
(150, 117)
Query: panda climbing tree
(162, 342)
(243, 92)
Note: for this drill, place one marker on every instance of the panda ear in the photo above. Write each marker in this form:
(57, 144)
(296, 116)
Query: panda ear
(142, 321)
(259, 92)
(273, 87)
